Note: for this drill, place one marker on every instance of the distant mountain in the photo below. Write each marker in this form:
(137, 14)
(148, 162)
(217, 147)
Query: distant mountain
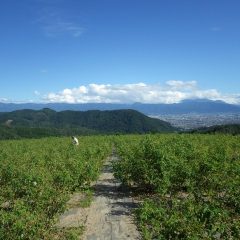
(94, 121)
(198, 106)
(184, 107)
(9, 107)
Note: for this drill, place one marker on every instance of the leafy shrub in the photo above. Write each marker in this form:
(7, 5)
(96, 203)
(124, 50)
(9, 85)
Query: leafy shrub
(193, 181)
(37, 177)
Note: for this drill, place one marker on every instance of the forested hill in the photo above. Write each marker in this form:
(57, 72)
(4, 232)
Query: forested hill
(94, 121)
(233, 129)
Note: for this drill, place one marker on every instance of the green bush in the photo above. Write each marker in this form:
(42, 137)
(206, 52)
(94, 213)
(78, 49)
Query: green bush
(37, 177)
(192, 183)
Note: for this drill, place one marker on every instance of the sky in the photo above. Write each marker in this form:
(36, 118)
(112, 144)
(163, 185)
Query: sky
(120, 51)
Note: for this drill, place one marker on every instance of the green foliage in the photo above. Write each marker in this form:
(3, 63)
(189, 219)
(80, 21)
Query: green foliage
(67, 233)
(36, 178)
(192, 183)
(41, 132)
(233, 129)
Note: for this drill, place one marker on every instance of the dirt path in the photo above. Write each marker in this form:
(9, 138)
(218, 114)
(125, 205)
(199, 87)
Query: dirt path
(110, 215)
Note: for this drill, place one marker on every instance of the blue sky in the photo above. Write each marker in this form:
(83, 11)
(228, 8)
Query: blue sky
(119, 50)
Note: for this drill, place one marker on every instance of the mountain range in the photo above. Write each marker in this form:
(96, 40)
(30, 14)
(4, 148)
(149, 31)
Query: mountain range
(199, 106)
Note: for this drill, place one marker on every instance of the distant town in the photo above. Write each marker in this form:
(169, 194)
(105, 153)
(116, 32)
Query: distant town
(193, 121)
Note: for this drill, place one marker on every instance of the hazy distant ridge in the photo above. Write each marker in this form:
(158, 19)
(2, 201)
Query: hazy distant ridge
(184, 107)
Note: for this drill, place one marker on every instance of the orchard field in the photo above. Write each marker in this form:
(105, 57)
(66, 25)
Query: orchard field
(188, 184)
(37, 177)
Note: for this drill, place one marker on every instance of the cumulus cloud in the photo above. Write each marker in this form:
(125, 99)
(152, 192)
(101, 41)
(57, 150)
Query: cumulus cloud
(171, 92)
(174, 84)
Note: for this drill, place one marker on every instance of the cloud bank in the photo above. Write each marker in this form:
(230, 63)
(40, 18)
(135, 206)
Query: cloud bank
(172, 91)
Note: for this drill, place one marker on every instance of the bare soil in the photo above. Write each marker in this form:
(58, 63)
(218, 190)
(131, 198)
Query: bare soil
(109, 216)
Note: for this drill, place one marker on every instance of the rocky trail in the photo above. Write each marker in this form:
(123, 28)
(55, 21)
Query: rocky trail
(109, 216)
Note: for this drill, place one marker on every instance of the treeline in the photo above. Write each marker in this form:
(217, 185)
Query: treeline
(34, 132)
(233, 129)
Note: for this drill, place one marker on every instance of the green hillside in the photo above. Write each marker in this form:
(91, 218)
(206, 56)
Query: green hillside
(47, 122)
(226, 129)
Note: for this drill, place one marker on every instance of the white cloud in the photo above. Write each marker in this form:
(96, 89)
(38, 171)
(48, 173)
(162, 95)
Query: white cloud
(60, 27)
(3, 100)
(174, 84)
(172, 92)
(231, 98)
(55, 23)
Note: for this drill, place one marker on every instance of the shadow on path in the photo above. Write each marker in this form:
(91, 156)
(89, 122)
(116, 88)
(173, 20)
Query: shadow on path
(110, 215)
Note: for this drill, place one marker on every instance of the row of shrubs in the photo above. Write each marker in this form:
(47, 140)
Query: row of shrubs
(190, 184)
(37, 177)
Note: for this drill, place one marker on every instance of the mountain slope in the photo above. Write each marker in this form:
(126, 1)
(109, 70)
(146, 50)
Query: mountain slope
(117, 121)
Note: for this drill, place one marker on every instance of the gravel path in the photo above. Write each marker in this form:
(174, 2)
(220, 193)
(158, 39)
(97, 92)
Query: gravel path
(110, 215)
